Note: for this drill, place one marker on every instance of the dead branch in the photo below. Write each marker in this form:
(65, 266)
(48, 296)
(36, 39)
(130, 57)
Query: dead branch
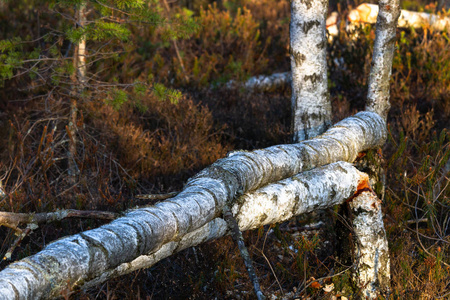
(13, 220)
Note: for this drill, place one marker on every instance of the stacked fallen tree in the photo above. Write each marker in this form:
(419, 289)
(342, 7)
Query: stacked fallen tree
(248, 189)
(144, 236)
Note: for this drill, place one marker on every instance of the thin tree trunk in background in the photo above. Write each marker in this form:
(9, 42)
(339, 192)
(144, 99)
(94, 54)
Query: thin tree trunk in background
(383, 55)
(311, 108)
(79, 81)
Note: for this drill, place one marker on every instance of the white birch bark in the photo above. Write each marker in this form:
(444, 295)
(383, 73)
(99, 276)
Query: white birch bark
(311, 108)
(265, 83)
(79, 81)
(81, 51)
(74, 260)
(372, 273)
(367, 13)
(383, 55)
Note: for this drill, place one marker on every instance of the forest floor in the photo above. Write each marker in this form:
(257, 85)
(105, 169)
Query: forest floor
(151, 144)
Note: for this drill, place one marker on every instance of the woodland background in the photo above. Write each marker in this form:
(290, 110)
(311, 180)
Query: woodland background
(156, 110)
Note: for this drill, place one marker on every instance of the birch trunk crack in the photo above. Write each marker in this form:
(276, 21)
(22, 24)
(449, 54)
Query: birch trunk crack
(72, 261)
(383, 55)
(311, 108)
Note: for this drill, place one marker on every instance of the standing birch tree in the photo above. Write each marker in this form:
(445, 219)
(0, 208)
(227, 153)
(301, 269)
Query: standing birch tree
(311, 107)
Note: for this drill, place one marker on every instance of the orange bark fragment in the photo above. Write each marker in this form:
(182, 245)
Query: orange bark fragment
(363, 186)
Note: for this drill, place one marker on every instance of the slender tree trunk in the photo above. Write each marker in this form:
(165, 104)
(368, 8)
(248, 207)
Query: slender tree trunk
(373, 272)
(311, 107)
(71, 261)
(383, 55)
(79, 81)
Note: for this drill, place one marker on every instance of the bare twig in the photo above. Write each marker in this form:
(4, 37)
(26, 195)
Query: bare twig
(13, 220)
(175, 45)
(157, 196)
(236, 234)
(16, 243)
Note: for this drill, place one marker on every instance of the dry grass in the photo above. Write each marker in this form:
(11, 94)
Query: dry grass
(150, 145)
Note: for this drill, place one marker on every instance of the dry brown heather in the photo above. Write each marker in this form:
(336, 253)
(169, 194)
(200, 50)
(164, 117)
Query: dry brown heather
(152, 146)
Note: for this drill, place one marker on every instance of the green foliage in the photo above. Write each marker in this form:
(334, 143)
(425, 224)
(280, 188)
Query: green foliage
(163, 93)
(107, 34)
(117, 98)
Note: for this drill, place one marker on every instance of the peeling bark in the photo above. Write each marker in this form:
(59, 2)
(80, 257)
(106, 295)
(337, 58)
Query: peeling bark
(372, 272)
(311, 107)
(74, 260)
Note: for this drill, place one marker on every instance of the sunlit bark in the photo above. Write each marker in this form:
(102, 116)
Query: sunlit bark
(79, 83)
(74, 260)
(311, 108)
(383, 55)
(367, 13)
(372, 273)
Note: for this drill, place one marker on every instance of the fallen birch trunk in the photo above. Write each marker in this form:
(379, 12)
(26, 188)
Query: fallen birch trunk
(264, 83)
(277, 202)
(276, 81)
(318, 188)
(367, 13)
(74, 260)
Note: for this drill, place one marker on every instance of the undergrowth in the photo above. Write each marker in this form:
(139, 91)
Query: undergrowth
(150, 144)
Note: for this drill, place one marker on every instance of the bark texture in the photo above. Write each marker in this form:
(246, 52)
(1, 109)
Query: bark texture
(80, 261)
(311, 107)
(74, 260)
(383, 55)
(372, 253)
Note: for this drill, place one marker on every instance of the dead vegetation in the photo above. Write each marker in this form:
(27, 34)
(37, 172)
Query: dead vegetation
(151, 145)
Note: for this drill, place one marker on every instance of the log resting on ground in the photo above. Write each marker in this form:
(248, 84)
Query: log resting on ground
(74, 260)
(368, 13)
